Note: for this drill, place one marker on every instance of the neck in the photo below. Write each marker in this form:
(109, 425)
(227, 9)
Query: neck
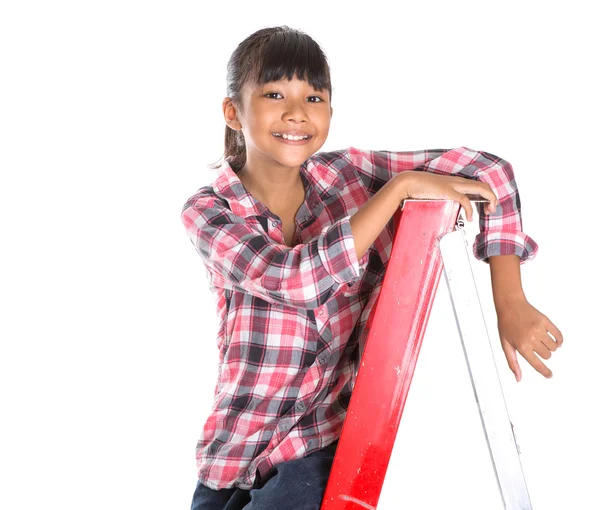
(273, 185)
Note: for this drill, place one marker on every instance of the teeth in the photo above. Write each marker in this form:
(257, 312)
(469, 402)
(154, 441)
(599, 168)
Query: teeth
(291, 137)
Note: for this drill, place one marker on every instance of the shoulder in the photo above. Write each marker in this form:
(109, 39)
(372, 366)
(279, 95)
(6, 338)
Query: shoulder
(332, 166)
(332, 158)
(205, 198)
(354, 160)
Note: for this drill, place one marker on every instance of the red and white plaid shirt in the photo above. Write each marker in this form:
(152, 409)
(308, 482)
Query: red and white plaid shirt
(292, 319)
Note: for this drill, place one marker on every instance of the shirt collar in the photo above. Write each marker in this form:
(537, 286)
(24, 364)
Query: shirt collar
(228, 186)
(314, 171)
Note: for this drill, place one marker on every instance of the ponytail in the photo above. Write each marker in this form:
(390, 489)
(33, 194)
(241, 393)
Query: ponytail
(235, 146)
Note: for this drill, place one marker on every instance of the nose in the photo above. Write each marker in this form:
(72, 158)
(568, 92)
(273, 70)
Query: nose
(295, 110)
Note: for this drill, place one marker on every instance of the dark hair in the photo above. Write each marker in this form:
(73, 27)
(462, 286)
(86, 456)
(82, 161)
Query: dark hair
(268, 55)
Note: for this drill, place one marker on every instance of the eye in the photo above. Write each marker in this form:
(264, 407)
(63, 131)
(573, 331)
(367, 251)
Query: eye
(319, 100)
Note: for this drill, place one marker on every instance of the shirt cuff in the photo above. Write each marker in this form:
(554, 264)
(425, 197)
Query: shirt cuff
(488, 244)
(338, 253)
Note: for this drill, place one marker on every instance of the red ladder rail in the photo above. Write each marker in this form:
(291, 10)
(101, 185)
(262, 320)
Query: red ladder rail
(398, 324)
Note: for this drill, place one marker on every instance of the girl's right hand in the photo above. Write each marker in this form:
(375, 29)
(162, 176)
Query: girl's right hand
(421, 184)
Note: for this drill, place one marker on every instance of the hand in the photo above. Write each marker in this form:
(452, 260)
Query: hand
(525, 329)
(427, 185)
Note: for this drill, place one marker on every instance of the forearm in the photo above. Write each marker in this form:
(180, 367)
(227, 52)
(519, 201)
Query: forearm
(506, 279)
(374, 215)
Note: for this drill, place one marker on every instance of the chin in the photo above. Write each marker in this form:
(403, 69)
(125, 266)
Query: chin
(293, 158)
(295, 161)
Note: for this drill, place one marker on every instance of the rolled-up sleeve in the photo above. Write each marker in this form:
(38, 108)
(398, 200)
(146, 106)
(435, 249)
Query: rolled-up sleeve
(239, 255)
(501, 232)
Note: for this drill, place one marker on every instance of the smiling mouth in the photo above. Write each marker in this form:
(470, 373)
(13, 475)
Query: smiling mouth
(291, 141)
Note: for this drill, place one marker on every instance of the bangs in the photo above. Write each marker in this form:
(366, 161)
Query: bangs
(291, 53)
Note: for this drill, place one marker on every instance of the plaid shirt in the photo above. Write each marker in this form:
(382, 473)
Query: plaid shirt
(293, 320)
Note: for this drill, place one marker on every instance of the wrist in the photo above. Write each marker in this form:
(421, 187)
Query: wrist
(504, 300)
(507, 288)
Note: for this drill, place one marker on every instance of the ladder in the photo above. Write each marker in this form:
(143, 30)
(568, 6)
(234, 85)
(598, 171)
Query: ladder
(428, 235)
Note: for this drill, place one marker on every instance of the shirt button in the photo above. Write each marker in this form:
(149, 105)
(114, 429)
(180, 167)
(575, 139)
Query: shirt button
(274, 223)
(300, 407)
(320, 312)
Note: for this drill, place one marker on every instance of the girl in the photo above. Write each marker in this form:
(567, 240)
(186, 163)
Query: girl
(295, 245)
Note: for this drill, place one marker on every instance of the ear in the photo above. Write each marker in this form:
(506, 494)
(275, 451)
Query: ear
(331, 109)
(230, 114)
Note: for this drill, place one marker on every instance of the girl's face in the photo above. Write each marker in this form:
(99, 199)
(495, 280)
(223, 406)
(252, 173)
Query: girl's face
(286, 106)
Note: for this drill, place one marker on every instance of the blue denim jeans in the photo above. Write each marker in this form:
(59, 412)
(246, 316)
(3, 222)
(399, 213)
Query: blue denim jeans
(294, 485)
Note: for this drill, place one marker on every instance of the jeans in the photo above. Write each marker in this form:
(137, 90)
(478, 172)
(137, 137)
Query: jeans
(294, 485)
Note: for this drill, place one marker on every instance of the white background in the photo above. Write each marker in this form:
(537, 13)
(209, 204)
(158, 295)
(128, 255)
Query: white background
(110, 112)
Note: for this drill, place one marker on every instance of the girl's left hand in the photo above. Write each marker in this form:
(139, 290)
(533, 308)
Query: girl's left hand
(525, 329)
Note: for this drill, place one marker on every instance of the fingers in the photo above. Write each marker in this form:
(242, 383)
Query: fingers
(536, 363)
(468, 206)
(542, 350)
(511, 356)
(463, 185)
(491, 207)
(491, 196)
(555, 332)
(464, 201)
(488, 192)
(542, 344)
(549, 343)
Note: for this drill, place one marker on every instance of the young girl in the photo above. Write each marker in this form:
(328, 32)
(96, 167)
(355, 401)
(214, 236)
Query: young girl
(295, 245)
